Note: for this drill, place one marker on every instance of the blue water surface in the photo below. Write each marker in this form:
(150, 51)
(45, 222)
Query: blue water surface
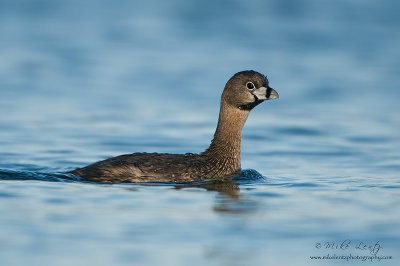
(81, 81)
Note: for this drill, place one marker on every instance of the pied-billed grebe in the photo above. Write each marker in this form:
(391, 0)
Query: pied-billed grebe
(221, 160)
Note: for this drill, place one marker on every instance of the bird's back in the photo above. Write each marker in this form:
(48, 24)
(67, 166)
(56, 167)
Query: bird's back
(143, 167)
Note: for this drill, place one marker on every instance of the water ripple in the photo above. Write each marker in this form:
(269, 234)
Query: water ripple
(31, 175)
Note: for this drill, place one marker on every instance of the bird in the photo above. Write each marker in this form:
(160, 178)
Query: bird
(220, 161)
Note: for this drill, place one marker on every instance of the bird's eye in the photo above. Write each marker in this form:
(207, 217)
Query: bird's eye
(250, 85)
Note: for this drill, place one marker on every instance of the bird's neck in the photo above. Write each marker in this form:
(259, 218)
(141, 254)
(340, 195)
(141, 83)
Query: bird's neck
(225, 147)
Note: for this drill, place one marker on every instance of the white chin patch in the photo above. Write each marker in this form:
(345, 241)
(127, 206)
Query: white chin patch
(261, 93)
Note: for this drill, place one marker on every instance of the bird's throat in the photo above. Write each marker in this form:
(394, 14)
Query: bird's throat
(225, 147)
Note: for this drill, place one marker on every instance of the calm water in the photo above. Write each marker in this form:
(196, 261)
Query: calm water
(83, 81)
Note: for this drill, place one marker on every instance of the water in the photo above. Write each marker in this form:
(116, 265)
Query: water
(80, 82)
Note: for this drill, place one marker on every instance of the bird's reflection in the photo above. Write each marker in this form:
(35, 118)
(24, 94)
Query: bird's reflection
(227, 188)
(229, 199)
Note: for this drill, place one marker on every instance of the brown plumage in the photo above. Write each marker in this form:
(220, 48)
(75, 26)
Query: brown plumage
(221, 160)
